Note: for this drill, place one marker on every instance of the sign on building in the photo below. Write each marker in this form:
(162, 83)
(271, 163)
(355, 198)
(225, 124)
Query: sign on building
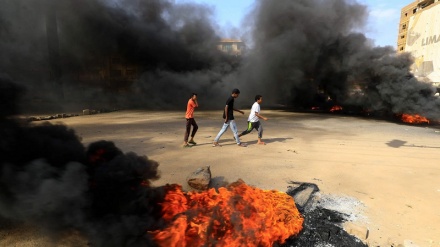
(423, 42)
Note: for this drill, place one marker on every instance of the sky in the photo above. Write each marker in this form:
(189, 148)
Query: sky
(382, 26)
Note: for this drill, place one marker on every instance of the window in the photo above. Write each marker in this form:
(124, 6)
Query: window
(402, 36)
(414, 11)
(227, 47)
(427, 3)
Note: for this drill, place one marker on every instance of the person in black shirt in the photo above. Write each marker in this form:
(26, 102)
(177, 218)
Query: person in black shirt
(228, 116)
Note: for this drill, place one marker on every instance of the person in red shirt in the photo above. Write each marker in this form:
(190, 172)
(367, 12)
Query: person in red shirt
(192, 104)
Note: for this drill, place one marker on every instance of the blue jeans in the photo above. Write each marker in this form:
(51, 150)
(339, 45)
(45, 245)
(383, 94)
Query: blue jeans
(233, 126)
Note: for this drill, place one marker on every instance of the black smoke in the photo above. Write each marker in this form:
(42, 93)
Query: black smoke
(115, 53)
(304, 48)
(50, 181)
(151, 54)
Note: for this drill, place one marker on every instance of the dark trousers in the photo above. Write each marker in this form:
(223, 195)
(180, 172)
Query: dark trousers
(254, 125)
(189, 122)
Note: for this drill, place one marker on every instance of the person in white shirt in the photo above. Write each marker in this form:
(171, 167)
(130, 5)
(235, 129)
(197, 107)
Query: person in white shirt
(254, 120)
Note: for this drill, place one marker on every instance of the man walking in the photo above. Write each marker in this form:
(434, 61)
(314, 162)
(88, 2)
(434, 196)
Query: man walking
(254, 120)
(228, 116)
(190, 121)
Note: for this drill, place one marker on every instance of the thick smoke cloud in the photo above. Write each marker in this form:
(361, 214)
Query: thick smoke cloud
(306, 47)
(74, 51)
(50, 181)
(153, 54)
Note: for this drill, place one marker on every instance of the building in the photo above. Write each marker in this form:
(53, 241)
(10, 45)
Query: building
(112, 72)
(232, 46)
(419, 34)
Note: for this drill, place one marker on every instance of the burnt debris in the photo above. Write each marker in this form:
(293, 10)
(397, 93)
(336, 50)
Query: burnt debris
(322, 226)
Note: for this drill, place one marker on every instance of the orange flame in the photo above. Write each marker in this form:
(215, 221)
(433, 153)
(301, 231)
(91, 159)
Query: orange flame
(238, 215)
(336, 108)
(416, 119)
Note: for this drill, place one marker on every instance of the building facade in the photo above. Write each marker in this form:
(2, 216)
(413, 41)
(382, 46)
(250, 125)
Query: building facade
(419, 34)
(112, 72)
(231, 46)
